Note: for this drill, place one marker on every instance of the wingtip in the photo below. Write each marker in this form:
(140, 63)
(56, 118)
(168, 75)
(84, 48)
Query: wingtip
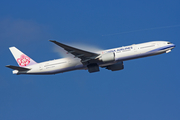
(7, 65)
(52, 40)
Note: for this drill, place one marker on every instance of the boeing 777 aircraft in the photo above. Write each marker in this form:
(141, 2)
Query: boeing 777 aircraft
(111, 59)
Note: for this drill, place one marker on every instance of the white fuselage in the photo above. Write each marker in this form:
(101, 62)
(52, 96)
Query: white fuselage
(121, 54)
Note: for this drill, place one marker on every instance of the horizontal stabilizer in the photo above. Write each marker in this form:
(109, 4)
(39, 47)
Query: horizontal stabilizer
(17, 68)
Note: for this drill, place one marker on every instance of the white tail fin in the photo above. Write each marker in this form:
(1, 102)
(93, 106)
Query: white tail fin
(22, 59)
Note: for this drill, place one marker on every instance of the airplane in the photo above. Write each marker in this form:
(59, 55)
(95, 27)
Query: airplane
(111, 59)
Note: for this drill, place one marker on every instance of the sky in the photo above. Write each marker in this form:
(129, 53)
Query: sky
(147, 89)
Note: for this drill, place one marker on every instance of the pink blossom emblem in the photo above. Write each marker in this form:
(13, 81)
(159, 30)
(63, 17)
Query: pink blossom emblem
(23, 60)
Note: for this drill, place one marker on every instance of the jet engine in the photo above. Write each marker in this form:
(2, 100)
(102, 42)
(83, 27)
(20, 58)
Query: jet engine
(116, 66)
(108, 57)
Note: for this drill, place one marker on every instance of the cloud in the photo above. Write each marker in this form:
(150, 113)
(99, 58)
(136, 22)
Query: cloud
(18, 30)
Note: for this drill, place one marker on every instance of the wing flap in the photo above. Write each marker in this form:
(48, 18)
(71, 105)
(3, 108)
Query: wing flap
(17, 68)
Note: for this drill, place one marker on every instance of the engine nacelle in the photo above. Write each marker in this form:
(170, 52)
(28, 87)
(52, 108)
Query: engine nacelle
(115, 67)
(108, 57)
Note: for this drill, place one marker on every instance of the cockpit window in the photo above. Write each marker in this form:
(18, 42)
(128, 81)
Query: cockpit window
(169, 43)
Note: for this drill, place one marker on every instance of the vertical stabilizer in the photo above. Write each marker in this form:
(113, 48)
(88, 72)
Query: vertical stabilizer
(22, 59)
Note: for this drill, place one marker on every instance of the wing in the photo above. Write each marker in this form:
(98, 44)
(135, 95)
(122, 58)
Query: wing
(82, 54)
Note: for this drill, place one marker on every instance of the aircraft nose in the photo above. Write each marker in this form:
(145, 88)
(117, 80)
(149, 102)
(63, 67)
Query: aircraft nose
(173, 45)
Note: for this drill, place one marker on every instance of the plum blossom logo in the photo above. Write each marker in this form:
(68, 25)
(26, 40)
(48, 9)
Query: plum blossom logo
(23, 60)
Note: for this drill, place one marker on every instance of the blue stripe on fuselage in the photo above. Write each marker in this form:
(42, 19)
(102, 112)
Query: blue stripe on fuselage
(162, 48)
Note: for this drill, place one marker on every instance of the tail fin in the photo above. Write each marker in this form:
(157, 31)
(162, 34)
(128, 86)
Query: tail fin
(22, 59)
